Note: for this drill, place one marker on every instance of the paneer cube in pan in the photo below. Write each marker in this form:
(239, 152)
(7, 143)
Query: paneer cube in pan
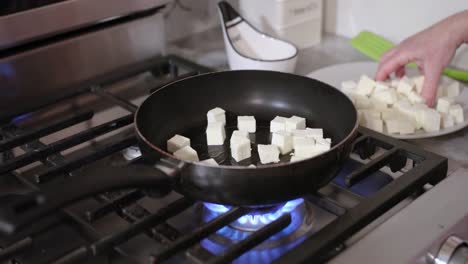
(283, 140)
(211, 162)
(241, 149)
(278, 124)
(295, 122)
(177, 142)
(246, 123)
(268, 153)
(215, 134)
(216, 115)
(187, 153)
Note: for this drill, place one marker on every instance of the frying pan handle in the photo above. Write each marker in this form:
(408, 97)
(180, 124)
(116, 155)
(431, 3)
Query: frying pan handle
(58, 194)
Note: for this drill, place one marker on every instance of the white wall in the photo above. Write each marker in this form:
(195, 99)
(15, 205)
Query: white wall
(203, 15)
(394, 19)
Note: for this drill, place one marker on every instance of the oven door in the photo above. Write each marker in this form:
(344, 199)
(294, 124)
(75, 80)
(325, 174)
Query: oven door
(27, 20)
(58, 49)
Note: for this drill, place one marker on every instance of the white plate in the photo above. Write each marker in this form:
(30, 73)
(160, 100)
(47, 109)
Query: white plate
(336, 74)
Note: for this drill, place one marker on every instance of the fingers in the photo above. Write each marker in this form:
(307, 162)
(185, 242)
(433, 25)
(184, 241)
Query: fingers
(388, 54)
(432, 73)
(390, 65)
(400, 72)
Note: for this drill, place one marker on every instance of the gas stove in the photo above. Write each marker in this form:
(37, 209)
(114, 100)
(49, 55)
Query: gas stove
(83, 132)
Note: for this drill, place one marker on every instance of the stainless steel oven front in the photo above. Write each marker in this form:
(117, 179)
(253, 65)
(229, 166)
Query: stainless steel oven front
(50, 48)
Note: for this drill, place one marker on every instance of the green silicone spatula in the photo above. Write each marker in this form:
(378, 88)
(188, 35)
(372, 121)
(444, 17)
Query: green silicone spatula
(373, 46)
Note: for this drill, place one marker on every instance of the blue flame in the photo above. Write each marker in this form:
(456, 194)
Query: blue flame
(257, 255)
(257, 219)
(7, 70)
(20, 118)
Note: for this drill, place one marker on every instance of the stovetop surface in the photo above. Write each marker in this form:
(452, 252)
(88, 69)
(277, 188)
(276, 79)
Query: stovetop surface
(128, 226)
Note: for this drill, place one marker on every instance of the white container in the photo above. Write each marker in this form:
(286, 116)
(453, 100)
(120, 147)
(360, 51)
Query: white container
(248, 48)
(297, 21)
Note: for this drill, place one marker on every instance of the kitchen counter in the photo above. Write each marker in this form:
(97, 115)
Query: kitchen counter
(207, 48)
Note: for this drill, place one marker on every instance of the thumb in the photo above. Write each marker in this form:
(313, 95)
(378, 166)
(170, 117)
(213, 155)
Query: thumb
(431, 83)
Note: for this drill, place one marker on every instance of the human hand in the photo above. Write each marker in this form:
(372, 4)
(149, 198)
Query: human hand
(431, 49)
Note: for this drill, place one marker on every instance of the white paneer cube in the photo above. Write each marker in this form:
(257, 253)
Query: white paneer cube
(366, 114)
(241, 149)
(405, 109)
(392, 125)
(370, 114)
(365, 86)
(418, 83)
(297, 158)
(268, 153)
(215, 134)
(401, 104)
(417, 114)
(377, 104)
(295, 122)
(440, 91)
(360, 113)
(302, 132)
(283, 140)
(296, 139)
(278, 124)
(431, 120)
(360, 116)
(374, 124)
(402, 97)
(405, 86)
(252, 166)
(362, 101)
(187, 154)
(305, 147)
(380, 86)
(415, 98)
(323, 144)
(246, 123)
(395, 82)
(177, 142)
(457, 112)
(216, 115)
(307, 133)
(447, 120)
(389, 114)
(238, 136)
(348, 87)
(452, 90)
(388, 96)
(444, 103)
(238, 133)
(211, 162)
(315, 132)
(406, 127)
(400, 126)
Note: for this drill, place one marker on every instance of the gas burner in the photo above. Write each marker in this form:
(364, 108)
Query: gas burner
(259, 217)
(302, 224)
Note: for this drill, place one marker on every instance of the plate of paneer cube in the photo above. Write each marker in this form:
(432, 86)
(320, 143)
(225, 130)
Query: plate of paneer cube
(251, 142)
(395, 107)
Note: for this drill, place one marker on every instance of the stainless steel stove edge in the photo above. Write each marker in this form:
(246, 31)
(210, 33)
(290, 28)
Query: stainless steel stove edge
(417, 230)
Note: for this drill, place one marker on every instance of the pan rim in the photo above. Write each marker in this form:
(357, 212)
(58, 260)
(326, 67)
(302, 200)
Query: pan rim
(238, 167)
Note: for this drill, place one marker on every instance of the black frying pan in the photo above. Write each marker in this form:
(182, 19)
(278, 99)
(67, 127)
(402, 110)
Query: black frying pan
(180, 108)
